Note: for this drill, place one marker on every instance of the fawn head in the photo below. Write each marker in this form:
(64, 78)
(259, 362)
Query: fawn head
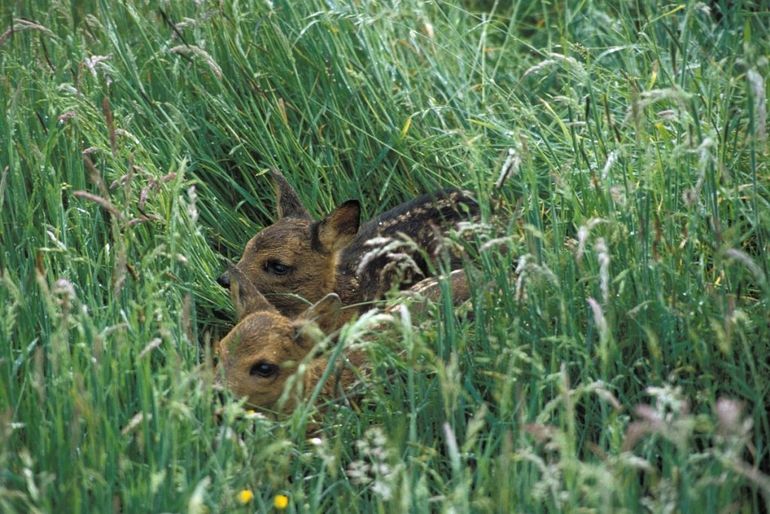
(294, 261)
(264, 349)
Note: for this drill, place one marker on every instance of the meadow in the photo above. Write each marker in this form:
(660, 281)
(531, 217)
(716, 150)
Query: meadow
(615, 353)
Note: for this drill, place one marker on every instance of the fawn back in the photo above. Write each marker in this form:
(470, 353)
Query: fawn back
(399, 247)
(297, 260)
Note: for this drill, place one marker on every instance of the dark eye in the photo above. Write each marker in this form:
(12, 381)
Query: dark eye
(263, 369)
(276, 268)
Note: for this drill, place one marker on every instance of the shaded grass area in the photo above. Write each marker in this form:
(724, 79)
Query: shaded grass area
(617, 352)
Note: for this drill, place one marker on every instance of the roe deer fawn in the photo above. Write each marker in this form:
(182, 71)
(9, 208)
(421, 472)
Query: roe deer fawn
(298, 260)
(265, 348)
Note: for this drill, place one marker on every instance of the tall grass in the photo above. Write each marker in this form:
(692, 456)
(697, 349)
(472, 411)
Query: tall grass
(616, 353)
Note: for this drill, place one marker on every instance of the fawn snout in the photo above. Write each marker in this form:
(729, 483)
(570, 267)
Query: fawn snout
(224, 280)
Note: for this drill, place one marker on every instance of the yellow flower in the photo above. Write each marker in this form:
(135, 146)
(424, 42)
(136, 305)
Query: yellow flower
(245, 497)
(281, 501)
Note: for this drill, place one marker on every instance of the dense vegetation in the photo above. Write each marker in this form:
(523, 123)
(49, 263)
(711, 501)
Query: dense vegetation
(615, 354)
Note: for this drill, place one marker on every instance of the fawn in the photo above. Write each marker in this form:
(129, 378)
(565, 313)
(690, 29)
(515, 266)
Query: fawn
(298, 260)
(266, 348)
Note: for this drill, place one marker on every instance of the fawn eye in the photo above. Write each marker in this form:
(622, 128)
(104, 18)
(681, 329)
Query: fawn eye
(263, 369)
(276, 268)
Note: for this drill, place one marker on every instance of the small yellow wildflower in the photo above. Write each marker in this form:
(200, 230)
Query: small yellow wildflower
(281, 501)
(245, 497)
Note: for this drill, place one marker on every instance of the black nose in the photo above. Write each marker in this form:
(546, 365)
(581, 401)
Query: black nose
(224, 280)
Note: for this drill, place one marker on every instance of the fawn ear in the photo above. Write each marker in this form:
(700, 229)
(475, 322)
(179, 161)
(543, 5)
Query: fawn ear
(245, 296)
(325, 313)
(287, 202)
(339, 228)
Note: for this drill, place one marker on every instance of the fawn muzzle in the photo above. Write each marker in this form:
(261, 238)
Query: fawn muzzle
(224, 280)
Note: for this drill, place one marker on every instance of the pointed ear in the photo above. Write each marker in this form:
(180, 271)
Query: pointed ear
(288, 204)
(339, 228)
(325, 313)
(245, 296)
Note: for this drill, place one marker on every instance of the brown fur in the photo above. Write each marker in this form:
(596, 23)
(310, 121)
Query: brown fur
(266, 341)
(297, 261)
(309, 274)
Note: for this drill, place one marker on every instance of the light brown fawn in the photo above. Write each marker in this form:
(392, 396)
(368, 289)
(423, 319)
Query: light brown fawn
(298, 260)
(265, 348)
